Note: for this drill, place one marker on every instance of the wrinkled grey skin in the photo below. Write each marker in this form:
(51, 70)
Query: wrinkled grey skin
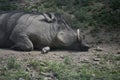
(27, 31)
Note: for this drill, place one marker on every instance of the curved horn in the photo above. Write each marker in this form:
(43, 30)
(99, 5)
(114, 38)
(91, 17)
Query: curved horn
(78, 35)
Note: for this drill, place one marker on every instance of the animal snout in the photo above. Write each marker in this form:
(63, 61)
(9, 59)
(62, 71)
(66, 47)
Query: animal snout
(85, 47)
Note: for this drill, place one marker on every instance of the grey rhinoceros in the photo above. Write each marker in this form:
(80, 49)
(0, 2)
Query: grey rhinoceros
(27, 31)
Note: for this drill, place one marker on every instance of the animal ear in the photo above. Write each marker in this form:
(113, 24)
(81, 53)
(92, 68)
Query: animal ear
(66, 37)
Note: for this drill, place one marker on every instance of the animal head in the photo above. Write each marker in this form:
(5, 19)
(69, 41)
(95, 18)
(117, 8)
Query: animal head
(81, 42)
(73, 40)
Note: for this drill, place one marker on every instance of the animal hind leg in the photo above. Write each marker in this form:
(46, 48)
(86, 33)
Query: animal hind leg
(2, 38)
(22, 42)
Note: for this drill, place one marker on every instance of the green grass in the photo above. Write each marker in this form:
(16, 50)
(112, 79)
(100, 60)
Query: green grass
(107, 69)
(87, 13)
(11, 70)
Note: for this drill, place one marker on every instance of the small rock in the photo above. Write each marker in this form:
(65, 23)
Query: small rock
(5, 67)
(96, 63)
(96, 59)
(85, 60)
(21, 79)
(98, 49)
(93, 75)
(42, 64)
(28, 69)
(62, 56)
(47, 78)
(47, 74)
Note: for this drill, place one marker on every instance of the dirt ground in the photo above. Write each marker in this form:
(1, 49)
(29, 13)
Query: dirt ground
(104, 43)
(60, 55)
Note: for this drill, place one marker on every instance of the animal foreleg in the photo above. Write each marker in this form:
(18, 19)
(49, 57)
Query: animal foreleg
(45, 50)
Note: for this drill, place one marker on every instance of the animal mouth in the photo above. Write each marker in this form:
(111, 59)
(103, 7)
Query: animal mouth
(85, 47)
